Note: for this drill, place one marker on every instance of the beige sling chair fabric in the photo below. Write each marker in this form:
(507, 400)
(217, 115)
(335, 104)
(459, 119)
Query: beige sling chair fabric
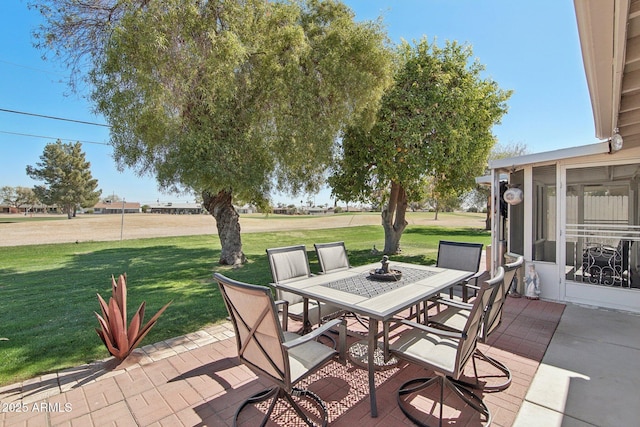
(332, 256)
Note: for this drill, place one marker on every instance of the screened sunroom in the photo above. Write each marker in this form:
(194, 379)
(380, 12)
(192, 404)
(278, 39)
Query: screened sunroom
(577, 222)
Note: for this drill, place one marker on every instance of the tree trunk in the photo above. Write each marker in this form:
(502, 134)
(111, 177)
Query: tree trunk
(69, 209)
(220, 206)
(394, 219)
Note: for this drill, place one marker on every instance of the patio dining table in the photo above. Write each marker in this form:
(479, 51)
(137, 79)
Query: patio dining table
(356, 290)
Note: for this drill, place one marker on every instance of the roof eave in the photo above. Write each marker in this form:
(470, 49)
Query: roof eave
(602, 31)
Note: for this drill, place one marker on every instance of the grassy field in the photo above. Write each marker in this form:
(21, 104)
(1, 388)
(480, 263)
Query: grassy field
(48, 292)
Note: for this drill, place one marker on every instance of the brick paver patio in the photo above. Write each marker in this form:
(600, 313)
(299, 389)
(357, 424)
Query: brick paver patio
(196, 380)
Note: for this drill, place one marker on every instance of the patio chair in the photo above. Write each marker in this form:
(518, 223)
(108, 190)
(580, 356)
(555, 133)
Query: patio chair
(288, 264)
(283, 357)
(332, 256)
(446, 353)
(461, 256)
(457, 314)
(607, 265)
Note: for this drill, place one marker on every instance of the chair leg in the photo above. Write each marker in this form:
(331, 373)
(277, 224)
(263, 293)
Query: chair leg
(489, 388)
(262, 396)
(463, 393)
(298, 392)
(276, 393)
(470, 398)
(501, 366)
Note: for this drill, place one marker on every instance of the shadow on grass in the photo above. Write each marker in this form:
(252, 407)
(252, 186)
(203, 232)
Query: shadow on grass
(438, 231)
(361, 257)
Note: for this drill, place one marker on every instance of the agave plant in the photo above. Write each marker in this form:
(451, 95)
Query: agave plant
(119, 339)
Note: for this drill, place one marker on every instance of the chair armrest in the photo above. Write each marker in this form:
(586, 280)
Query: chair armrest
(454, 303)
(473, 278)
(466, 286)
(315, 333)
(435, 331)
(476, 276)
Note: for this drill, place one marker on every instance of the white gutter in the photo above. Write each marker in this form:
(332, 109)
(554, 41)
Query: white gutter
(550, 156)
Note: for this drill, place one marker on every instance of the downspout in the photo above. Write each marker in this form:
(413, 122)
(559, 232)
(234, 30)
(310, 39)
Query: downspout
(495, 221)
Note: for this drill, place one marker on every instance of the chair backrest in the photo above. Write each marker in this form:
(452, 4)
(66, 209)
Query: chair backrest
(459, 255)
(288, 263)
(259, 335)
(332, 256)
(471, 331)
(510, 272)
(493, 316)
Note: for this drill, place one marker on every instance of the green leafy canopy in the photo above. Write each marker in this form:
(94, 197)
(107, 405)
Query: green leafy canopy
(434, 125)
(241, 96)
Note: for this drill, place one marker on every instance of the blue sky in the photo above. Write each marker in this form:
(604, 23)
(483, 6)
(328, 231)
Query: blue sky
(531, 48)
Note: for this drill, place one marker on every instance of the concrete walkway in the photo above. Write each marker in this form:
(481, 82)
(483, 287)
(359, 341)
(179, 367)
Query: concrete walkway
(590, 374)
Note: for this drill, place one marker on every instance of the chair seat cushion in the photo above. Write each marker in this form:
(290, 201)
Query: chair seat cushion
(306, 356)
(452, 318)
(427, 349)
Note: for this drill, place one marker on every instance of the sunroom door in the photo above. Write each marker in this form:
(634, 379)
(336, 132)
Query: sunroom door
(602, 238)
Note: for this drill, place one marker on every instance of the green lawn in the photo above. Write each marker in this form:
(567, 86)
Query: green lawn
(48, 292)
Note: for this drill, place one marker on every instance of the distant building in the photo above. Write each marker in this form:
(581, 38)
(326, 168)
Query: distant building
(285, 210)
(319, 210)
(175, 208)
(6, 209)
(116, 207)
(246, 209)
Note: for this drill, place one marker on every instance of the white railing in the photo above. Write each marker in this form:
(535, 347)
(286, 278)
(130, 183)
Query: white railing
(603, 253)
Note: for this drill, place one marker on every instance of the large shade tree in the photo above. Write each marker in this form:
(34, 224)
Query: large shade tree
(231, 99)
(67, 178)
(433, 130)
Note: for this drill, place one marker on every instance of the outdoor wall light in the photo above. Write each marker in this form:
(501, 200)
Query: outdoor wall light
(615, 143)
(513, 195)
